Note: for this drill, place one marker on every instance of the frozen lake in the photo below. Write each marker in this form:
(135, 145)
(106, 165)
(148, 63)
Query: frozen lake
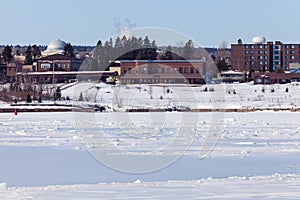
(42, 155)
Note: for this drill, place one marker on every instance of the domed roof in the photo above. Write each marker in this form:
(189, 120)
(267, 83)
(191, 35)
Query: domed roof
(56, 45)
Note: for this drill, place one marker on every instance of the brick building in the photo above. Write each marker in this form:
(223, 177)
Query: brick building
(261, 56)
(59, 62)
(162, 71)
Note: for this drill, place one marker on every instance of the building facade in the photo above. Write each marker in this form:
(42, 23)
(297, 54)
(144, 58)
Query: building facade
(162, 71)
(260, 56)
(57, 62)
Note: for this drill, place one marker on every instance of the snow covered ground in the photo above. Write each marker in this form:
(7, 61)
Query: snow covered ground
(253, 155)
(206, 96)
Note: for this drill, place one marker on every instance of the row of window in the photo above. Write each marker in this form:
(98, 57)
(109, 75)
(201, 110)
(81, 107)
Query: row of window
(183, 80)
(258, 57)
(287, 46)
(135, 81)
(259, 46)
(145, 70)
(259, 52)
(288, 62)
(274, 57)
(274, 52)
(259, 63)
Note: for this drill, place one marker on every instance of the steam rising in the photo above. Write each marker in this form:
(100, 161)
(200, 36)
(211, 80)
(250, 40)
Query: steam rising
(125, 28)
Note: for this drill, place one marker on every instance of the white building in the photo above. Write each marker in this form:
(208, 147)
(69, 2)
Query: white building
(54, 47)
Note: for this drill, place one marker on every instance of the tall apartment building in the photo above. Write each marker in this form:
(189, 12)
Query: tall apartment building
(262, 56)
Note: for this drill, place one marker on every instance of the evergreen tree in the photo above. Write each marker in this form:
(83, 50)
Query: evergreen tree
(152, 51)
(7, 54)
(28, 99)
(168, 55)
(57, 93)
(69, 50)
(80, 97)
(188, 51)
(28, 56)
(36, 52)
(221, 65)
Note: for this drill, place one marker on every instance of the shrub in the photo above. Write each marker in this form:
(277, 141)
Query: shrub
(28, 99)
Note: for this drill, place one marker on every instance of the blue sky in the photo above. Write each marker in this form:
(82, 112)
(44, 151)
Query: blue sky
(207, 22)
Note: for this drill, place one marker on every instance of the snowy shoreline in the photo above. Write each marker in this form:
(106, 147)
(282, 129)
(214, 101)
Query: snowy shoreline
(276, 186)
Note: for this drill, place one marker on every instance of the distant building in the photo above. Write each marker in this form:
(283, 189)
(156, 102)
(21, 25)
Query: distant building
(53, 59)
(261, 56)
(232, 76)
(275, 78)
(57, 62)
(162, 71)
(50, 67)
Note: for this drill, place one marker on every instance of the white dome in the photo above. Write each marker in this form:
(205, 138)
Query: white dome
(259, 40)
(56, 45)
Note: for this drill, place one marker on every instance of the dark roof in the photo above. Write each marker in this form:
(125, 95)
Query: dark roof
(56, 57)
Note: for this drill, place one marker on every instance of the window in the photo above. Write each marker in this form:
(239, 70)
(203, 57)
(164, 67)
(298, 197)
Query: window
(252, 58)
(246, 51)
(292, 51)
(168, 70)
(46, 65)
(140, 70)
(265, 57)
(292, 46)
(259, 57)
(252, 46)
(162, 70)
(125, 70)
(260, 62)
(286, 62)
(265, 46)
(292, 57)
(276, 47)
(247, 46)
(175, 70)
(287, 52)
(186, 70)
(260, 46)
(251, 63)
(286, 57)
(286, 46)
(277, 62)
(129, 70)
(265, 52)
(260, 52)
(276, 57)
(180, 70)
(265, 62)
(198, 70)
(276, 52)
(192, 70)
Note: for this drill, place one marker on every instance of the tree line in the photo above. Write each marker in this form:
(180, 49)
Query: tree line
(32, 53)
(133, 48)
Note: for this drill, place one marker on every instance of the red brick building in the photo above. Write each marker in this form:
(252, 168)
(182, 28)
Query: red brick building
(59, 62)
(261, 56)
(162, 71)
